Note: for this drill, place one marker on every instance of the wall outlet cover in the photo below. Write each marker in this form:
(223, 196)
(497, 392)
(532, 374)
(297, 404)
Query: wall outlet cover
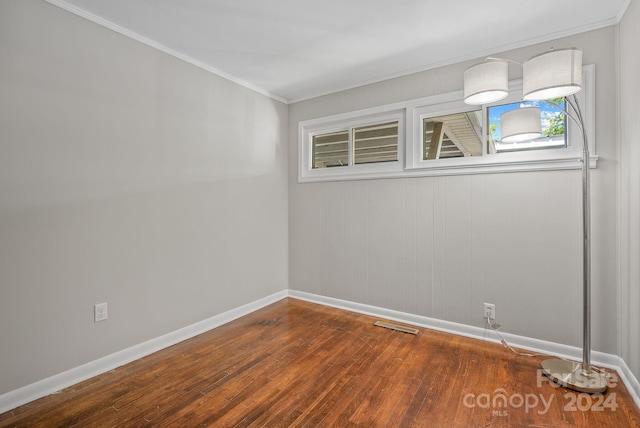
(100, 312)
(489, 311)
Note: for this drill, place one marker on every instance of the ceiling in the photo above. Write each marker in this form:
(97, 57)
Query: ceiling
(297, 49)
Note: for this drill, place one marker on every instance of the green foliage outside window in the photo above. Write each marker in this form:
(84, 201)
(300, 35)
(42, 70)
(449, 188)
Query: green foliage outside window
(555, 120)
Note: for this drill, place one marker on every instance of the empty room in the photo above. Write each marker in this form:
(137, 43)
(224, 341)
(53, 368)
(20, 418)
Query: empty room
(319, 214)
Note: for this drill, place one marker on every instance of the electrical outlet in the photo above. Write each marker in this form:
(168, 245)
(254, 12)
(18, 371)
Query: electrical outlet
(99, 312)
(489, 311)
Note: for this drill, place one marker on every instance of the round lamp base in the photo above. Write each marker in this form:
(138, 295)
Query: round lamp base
(571, 375)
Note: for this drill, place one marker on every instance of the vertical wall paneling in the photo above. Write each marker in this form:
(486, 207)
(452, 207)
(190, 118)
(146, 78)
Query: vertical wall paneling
(439, 291)
(411, 262)
(458, 248)
(629, 205)
(478, 255)
(360, 228)
(397, 244)
(425, 248)
(378, 250)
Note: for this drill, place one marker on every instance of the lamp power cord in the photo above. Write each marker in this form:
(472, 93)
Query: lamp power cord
(495, 326)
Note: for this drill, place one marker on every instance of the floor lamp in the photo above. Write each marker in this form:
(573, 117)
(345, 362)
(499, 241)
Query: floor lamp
(553, 74)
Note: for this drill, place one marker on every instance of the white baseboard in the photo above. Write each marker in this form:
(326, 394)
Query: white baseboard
(630, 381)
(28, 393)
(538, 346)
(18, 397)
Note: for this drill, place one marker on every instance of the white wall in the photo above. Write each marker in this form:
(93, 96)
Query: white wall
(630, 188)
(440, 247)
(128, 177)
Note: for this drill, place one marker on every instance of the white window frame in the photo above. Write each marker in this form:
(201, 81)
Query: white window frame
(310, 128)
(411, 115)
(450, 105)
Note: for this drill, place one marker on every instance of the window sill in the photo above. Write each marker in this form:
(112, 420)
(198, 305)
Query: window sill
(444, 168)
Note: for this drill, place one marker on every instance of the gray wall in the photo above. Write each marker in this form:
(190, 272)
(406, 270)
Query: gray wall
(128, 177)
(441, 246)
(630, 188)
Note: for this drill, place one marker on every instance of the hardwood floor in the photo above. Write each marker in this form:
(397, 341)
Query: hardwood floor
(295, 363)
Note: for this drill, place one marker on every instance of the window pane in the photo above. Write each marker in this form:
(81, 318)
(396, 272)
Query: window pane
(552, 119)
(376, 143)
(452, 136)
(329, 150)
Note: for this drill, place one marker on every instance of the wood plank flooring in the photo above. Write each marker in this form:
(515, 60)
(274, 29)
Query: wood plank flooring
(297, 364)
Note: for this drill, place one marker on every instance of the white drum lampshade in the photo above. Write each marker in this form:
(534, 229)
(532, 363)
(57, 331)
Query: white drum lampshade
(553, 74)
(486, 82)
(521, 124)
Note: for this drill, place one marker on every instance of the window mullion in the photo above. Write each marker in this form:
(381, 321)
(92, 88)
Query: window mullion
(351, 147)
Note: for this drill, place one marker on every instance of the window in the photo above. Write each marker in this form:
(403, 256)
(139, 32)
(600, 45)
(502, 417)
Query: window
(330, 149)
(560, 146)
(452, 136)
(446, 133)
(376, 143)
(441, 135)
(360, 144)
(553, 123)
(371, 144)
